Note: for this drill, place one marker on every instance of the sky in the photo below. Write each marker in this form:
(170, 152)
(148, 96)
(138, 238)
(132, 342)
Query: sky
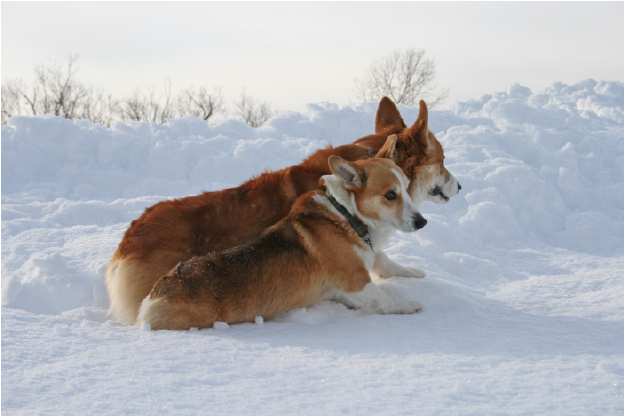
(290, 54)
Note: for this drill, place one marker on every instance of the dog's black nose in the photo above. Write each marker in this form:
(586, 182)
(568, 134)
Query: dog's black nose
(418, 221)
(459, 187)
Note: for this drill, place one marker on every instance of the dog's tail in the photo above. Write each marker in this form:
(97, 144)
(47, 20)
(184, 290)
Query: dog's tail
(148, 312)
(124, 296)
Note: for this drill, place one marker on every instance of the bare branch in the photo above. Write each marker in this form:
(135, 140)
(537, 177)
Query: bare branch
(99, 108)
(404, 76)
(199, 102)
(255, 114)
(11, 100)
(55, 90)
(150, 107)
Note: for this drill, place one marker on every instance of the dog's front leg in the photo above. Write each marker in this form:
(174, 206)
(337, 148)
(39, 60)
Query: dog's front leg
(383, 267)
(377, 298)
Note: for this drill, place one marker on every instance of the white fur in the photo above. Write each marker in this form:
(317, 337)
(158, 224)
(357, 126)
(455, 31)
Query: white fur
(119, 309)
(450, 188)
(335, 188)
(409, 209)
(378, 298)
(367, 256)
(383, 267)
(144, 311)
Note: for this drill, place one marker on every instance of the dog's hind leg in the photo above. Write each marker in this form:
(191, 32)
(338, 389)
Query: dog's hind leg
(165, 314)
(383, 267)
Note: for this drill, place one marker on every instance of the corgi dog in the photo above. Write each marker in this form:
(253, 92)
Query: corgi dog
(176, 230)
(323, 247)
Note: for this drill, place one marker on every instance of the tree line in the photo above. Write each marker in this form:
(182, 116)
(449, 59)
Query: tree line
(404, 76)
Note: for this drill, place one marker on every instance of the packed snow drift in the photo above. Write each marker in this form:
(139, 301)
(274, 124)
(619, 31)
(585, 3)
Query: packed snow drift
(523, 299)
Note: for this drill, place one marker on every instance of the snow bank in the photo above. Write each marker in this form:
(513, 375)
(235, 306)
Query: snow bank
(525, 266)
(537, 169)
(55, 157)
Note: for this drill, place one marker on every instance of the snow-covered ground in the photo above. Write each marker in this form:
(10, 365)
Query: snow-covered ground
(523, 299)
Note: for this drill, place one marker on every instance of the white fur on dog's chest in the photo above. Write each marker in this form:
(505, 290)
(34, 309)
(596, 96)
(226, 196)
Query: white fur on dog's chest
(366, 255)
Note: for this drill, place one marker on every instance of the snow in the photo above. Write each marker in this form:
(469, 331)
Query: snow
(523, 299)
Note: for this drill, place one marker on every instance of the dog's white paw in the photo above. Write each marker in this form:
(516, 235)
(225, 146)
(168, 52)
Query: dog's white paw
(413, 273)
(384, 268)
(403, 272)
(386, 299)
(378, 299)
(414, 307)
(400, 305)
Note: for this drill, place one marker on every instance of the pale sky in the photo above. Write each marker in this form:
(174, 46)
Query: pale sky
(291, 54)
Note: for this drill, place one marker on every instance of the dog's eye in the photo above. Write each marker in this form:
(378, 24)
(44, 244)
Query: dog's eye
(390, 195)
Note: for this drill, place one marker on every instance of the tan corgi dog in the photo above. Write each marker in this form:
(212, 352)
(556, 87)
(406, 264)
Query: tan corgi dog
(325, 246)
(176, 230)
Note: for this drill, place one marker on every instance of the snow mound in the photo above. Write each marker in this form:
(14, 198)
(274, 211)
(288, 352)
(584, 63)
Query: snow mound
(525, 267)
(537, 170)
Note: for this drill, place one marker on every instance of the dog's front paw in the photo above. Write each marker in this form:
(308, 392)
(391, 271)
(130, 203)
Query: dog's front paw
(404, 306)
(389, 301)
(384, 267)
(413, 273)
(378, 299)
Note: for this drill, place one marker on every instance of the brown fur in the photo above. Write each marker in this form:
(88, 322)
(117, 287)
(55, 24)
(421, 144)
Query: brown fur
(175, 230)
(294, 263)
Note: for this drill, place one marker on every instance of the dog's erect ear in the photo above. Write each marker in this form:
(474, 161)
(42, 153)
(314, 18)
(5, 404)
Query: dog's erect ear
(389, 149)
(345, 170)
(388, 116)
(419, 130)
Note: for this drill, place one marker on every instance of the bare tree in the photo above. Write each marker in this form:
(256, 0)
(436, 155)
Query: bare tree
(60, 87)
(11, 100)
(132, 108)
(55, 90)
(150, 107)
(100, 108)
(199, 102)
(163, 107)
(254, 113)
(404, 76)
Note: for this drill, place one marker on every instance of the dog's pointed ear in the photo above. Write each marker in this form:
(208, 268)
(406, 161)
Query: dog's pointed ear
(388, 116)
(389, 149)
(419, 130)
(351, 174)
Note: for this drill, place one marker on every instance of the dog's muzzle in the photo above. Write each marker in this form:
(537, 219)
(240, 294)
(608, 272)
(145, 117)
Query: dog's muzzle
(438, 191)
